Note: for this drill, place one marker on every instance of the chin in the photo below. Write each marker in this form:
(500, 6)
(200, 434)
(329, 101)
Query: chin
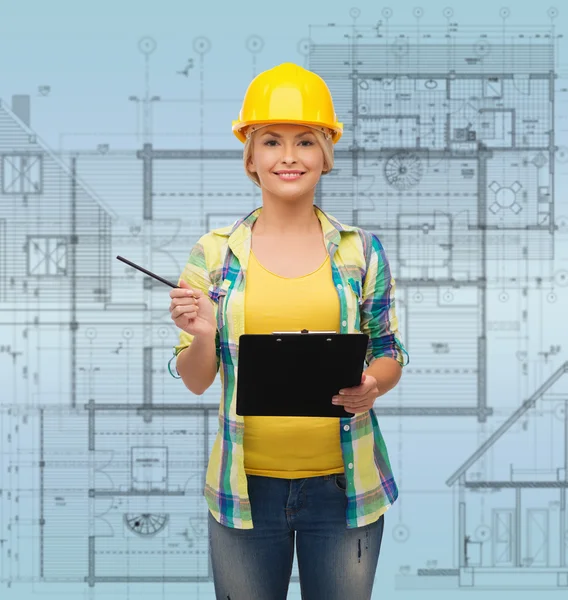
(291, 194)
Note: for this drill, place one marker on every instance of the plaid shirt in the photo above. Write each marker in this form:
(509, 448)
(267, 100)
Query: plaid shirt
(217, 265)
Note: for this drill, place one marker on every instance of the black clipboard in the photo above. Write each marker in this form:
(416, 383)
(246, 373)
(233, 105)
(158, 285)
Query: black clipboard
(296, 374)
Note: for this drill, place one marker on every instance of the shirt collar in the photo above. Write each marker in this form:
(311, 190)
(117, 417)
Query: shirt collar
(240, 232)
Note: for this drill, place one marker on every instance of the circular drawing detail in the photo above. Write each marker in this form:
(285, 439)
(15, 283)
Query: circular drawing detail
(201, 45)
(561, 278)
(303, 46)
(146, 45)
(561, 154)
(254, 44)
(145, 524)
(403, 170)
(482, 47)
(482, 533)
(400, 533)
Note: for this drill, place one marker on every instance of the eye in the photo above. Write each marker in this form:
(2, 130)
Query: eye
(270, 142)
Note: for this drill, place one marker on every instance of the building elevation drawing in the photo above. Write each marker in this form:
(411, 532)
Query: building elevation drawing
(454, 154)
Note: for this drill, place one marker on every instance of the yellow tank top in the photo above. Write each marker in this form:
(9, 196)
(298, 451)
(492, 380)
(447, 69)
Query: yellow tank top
(291, 447)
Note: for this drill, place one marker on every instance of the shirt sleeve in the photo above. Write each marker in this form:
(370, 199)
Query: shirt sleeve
(196, 274)
(378, 315)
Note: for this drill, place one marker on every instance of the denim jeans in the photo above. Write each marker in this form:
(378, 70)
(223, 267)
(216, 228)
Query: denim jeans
(334, 563)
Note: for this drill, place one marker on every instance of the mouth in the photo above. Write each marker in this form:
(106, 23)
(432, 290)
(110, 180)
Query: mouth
(289, 175)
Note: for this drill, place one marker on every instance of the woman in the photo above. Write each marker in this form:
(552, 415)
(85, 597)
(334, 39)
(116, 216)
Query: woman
(319, 482)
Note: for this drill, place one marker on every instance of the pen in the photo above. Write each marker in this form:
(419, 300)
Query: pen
(130, 263)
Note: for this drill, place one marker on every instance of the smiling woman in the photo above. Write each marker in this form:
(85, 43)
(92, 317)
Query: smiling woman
(287, 160)
(272, 483)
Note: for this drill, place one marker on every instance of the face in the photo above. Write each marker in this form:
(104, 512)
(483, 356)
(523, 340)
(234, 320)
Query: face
(286, 148)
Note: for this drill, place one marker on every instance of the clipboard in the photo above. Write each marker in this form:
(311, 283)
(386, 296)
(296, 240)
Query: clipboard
(296, 374)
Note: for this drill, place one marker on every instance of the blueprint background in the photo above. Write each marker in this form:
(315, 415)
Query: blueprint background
(89, 56)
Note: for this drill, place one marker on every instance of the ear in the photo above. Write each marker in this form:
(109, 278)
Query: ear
(250, 166)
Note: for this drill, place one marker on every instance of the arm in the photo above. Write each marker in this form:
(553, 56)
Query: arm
(197, 364)
(387, 372)
(198, 357)
(386, 354)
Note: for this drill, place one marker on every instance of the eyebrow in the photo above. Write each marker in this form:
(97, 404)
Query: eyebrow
(279, 136)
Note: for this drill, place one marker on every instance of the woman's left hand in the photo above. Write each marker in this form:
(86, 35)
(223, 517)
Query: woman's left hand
(359, 399)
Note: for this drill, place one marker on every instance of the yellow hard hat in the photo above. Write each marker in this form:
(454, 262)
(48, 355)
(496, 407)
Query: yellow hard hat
(288, 93)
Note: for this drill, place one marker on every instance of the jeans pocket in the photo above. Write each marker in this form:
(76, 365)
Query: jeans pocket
(340, 482)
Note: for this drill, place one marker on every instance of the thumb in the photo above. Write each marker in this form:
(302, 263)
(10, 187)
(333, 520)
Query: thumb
(196, 293)
(363, 378)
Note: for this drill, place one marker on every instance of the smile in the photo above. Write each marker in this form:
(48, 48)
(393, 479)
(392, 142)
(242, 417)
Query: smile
(289, 176)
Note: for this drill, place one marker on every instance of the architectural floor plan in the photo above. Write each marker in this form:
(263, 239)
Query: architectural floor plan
(452, 154)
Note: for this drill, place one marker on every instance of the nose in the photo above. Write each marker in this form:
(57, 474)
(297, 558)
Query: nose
(289, 151)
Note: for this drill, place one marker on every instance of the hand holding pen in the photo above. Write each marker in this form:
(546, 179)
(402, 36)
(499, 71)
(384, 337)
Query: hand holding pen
(191, 310)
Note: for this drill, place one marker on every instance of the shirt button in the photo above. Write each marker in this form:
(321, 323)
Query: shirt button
(350, 465)
(344, 323)
(346, 427)
(339, 286)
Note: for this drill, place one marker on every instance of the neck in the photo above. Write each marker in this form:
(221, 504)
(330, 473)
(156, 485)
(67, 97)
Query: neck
(295, 217)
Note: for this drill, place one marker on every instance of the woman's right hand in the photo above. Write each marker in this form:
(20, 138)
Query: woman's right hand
(192, 311)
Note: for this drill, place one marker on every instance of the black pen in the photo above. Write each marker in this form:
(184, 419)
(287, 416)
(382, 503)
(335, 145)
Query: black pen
(125, 260)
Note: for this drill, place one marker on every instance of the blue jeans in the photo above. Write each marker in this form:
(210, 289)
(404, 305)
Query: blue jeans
(334, 563)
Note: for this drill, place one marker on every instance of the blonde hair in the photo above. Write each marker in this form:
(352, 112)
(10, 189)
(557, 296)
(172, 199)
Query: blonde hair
(325, 144)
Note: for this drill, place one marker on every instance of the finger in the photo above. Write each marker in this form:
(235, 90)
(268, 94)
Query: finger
(356, 390)
(190, 311)
(182, 302)
(182, 293)
(357, 405)
(183, 284)
(342, 399)
(350, 400)
(183, 308)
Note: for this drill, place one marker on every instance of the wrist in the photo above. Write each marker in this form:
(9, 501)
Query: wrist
(206, 337)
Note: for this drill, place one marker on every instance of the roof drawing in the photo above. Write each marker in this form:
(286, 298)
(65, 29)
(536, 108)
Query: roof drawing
(47, 150)
(525, 406)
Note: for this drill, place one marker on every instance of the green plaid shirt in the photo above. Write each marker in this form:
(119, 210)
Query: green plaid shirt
(217, 265)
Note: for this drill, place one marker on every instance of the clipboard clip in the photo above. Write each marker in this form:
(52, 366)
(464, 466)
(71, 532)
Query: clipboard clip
(302, 331)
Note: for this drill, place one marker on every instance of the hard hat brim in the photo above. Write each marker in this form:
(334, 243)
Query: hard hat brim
(239, 127)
